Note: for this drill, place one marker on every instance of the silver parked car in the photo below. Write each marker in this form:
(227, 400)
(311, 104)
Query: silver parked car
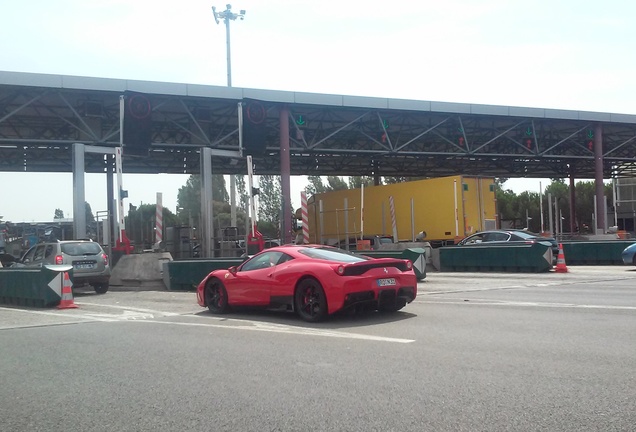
(89, 261)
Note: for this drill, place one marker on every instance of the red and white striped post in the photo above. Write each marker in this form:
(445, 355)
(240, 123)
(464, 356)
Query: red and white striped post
(159, 221)
(304, 215)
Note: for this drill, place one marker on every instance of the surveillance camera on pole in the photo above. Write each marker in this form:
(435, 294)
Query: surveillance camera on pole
(216, 15)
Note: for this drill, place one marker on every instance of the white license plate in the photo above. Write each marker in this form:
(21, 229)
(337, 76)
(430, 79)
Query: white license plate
(386, 282)
(84, 266)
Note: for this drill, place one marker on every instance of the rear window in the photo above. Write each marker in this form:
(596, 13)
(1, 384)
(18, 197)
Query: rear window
(81, 248)
(331, 254)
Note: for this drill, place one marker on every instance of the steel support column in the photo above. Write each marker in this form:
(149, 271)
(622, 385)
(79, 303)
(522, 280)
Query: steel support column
(207, 214)
(598, 178)
(79, 194)
(285, 170)
(110, 202)
(573, 223)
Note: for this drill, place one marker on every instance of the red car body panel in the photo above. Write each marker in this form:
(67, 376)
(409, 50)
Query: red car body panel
(276, 285)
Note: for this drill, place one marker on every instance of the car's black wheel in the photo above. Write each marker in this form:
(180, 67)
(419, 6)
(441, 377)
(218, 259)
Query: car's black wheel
(634, 260)
(310, 301)
(216, 296)
(101, 288)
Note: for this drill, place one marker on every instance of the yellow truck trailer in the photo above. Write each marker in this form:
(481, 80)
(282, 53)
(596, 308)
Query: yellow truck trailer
(438, 210)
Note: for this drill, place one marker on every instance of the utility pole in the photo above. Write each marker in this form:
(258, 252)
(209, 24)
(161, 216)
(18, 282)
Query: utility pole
(227, 15)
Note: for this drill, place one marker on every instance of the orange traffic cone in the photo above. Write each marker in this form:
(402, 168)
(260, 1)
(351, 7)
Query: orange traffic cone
(561, 267)
(67, 294)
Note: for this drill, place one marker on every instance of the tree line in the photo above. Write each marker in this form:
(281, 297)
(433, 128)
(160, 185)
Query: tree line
(515, 210)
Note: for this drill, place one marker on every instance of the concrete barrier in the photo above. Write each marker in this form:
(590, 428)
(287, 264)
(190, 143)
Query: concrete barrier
(143, 270)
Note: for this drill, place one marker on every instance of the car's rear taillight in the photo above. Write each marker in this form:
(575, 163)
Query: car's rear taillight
(59, 259)
(340, 270)
(105, 258)
(409, 265)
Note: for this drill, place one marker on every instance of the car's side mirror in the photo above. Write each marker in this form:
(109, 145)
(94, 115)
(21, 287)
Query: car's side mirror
(233, 270)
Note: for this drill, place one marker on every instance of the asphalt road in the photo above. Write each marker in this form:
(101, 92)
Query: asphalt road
(474, 352)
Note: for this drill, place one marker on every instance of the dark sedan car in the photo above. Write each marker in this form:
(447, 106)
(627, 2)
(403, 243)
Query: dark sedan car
(511, 235)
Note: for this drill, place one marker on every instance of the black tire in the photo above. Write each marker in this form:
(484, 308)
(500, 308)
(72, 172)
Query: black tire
(310, 301)
(101, 288)
(216, 297)
(634, 260)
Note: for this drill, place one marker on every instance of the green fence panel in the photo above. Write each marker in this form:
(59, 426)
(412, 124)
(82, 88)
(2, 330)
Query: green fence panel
(33, 287)
(382, 253)
(186, 275)
(595, 252)
(513, 257)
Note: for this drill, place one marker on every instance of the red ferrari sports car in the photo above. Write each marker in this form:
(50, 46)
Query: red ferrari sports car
(312, 280)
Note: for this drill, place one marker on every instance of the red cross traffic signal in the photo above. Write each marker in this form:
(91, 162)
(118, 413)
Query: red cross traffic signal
(254, 127)
(137, 134)
(528, 142)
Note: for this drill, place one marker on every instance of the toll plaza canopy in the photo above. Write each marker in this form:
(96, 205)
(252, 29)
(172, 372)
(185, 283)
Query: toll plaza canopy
(43, 116)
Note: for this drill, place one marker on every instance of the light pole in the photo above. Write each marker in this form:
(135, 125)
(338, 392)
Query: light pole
(227, 15)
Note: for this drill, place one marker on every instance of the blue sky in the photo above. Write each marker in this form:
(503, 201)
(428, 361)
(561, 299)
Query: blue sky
(565, 54)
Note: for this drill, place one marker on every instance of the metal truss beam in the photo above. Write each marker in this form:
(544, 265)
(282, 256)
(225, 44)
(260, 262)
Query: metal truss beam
(38, 127)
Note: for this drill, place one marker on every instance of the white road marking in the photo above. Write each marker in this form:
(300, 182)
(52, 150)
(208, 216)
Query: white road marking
(126, 315)
(278, 328)
(82, 317)
(480, 302)
(232, 324)
(56, 314)
(128, 308)
(419, 293)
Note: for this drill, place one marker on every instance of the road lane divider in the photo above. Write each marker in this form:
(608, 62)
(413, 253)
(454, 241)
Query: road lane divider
(273, 328)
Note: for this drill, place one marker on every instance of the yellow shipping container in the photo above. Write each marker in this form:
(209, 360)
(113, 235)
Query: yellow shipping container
(445, 208)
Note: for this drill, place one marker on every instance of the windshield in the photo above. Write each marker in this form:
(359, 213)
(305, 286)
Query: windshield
(81, 248)
(331, 254)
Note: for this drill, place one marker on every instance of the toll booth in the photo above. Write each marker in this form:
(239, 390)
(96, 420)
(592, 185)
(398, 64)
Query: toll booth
(178, 242)
(229, 243)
